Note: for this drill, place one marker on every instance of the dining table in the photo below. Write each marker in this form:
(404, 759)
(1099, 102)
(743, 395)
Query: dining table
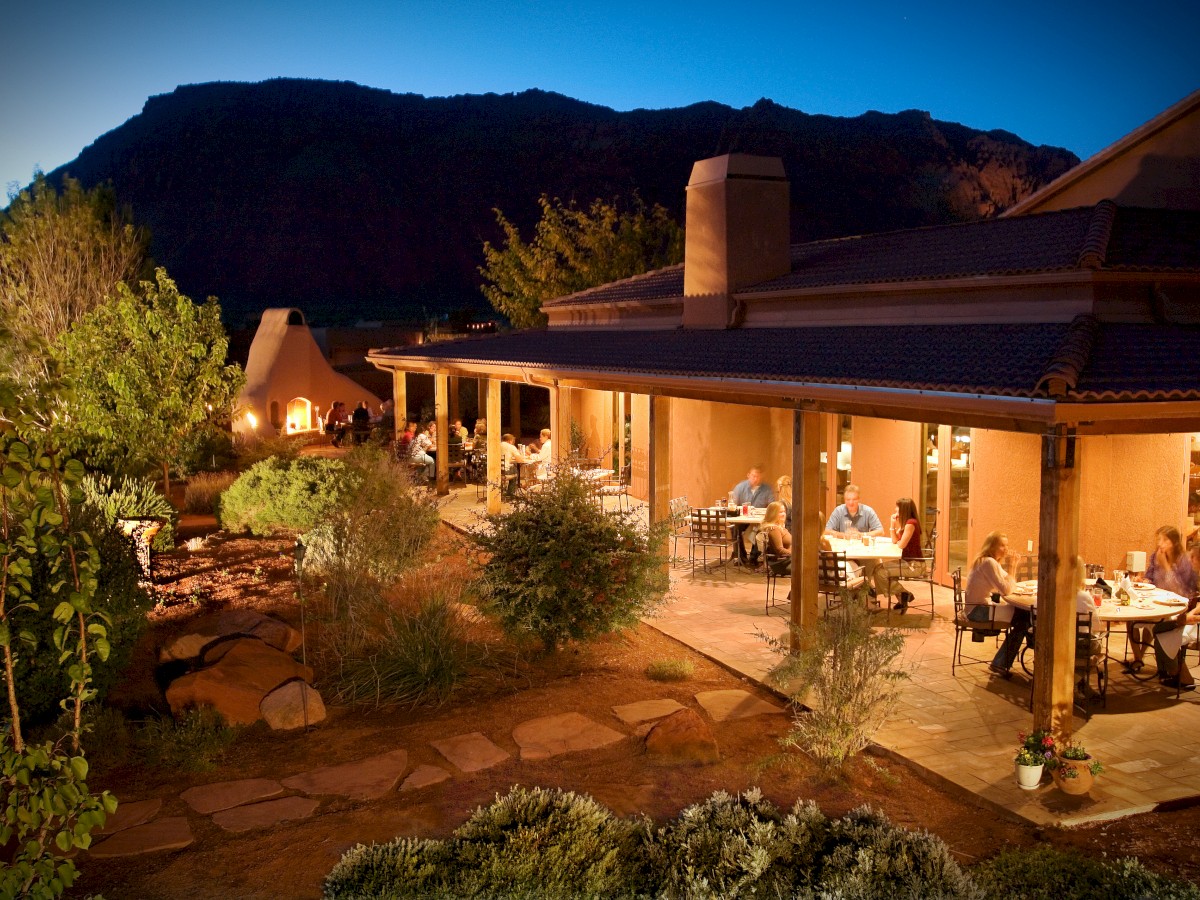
(879, 549)
(1149, 603)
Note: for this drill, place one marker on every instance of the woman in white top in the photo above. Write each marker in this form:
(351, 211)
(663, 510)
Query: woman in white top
(986, 578)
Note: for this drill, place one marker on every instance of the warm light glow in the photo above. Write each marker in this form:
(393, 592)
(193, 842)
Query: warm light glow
(252, 419)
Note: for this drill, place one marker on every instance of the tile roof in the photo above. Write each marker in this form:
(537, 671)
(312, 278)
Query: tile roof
(1096, 361)
(1104, 236)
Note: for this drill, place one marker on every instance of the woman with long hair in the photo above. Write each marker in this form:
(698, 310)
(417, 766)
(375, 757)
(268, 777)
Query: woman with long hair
(1171, 569)
(987, 579)
(905, 530)
(783, 493)
(776, 538)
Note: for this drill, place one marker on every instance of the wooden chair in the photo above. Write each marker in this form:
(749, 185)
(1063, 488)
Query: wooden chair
(836, 577)
(709, 529)
(680, 531)
(979, 630)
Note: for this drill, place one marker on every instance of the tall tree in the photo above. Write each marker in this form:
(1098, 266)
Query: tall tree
(148, 369)
(573, 249)
(63, 253)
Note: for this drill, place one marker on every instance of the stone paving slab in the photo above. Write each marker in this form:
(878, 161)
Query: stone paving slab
(211, 798)
(262, 815)
(424, 776)
(470, 752)
(725, 706)
(364, 779)
(129, 814)
(170, 833)
(549, 736)
(645, 710)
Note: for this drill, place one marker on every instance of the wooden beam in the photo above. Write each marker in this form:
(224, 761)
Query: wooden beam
(556, 436)
(807, 525)
(1058, 554)
(514, 409)
(494, 431)
(660, 461)
(440, 410)
(454, 404)
(400, 400)
(622, 446)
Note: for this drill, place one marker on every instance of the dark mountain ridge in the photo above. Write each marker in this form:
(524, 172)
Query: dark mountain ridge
(354, 202)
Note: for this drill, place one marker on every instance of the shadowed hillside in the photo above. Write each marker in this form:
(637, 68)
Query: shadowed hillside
(354, 202)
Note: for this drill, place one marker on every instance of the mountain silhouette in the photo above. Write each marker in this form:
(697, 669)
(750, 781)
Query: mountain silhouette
(353, 202)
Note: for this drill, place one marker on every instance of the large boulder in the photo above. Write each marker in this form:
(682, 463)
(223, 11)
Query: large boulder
(236, 683)
(227, 624)
(683, 737)
(292, 705)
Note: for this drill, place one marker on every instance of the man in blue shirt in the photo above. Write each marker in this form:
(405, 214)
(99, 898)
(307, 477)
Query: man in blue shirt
(752, 491)
(853, 517)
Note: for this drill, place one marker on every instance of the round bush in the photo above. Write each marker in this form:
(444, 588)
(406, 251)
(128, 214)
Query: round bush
(284, 493)
(1047, 874)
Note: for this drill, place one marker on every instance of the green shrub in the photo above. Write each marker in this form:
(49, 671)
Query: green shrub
(670, 670)
(40, 682)
(1047, 874)
(250, 449)
(128, 497)
(560, 568)
(208, 448)
(405, 867)
(190, 743)
(204, 490)
(284, 493)
(847, 672)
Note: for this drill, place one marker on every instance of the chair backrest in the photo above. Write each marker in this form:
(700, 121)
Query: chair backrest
(1028, 569)
(457, 454)
(931, 539)
(831, 570)
(960, 605)
(627, 475)
(710, 526)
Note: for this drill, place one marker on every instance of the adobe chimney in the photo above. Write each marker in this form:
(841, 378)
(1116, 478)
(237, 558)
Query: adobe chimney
(737, 233)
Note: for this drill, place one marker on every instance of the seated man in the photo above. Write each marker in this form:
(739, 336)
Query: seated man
(853, 517)
(544, 455)
(511, 460)
(753, 492)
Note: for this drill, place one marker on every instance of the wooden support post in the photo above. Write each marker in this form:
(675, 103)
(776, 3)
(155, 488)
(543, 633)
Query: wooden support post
(454, 404)
(400, 400)
(622, 448)
(442, 463)
(1058, 554)
(481, 393)
(659, 492)
(494, 430)
(557, 438)
(514, 409)
(808, 429)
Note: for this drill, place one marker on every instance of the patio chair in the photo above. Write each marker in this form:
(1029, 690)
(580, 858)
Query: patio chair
(1091, 656)
(916, 568)
(1027, 570)
(962, 625)
(776, 567)
(836, 577)
(709, 530)
(1183, 650)
(457, 462)
(618, 488)
(680, 531)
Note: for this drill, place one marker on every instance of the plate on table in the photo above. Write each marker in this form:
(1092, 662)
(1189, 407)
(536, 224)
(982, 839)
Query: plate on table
(1172, 601)
(1143, 585)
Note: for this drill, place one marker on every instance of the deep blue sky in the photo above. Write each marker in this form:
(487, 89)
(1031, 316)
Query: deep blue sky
(1071, 74)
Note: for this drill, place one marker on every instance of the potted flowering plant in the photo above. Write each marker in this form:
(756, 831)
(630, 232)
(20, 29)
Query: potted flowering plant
(1035, 751)
(1074, 769)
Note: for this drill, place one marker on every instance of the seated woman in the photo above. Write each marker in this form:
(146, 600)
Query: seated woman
(776, 539)
(1174, 634)
(1170, 569)
(986, 578)
(783, 493)
(906, 534)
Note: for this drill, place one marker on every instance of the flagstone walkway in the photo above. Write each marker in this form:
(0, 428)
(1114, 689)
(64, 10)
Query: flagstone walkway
(960, 730)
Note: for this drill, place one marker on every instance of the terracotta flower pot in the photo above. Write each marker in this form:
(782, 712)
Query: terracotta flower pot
(1081, 783)
(1029, 777)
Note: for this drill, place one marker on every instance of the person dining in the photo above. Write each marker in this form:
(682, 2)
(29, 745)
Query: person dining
(337, 422)
(852, 516)
(361, 422)
(905, 529)
(1171, 570)
(461, 430)
(783, 493)
(419, 449)
(544, 455)
(776, 538)
(987, 578)
(750, 492)
(511, 459)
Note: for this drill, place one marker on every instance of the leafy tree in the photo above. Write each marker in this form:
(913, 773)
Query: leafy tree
(560, 568)
(574, 249)
(148, 369)
(61, 254)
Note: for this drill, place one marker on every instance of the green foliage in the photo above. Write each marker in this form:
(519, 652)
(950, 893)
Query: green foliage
(284, 493)
(190, 743)
(204, 489)
(250, 449)
(126, 497)
(1048, 874)
(536, 843)
(209, 448)
(573, 249)
(670, 670)
(62, 253)
(47, 811)
(148, 370)
(561, 568)
(847, 675)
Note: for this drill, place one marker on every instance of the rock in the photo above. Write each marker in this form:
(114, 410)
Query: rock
(470, 752)
(171, 833)
(210, 798)
(262, 815)
(293, 704)
(645, 710)
(724, 706)
(424, 776)
(365, 779)
(129, 814)
(231, 623)
(683, 737)
(563, 733)
(236, 684)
